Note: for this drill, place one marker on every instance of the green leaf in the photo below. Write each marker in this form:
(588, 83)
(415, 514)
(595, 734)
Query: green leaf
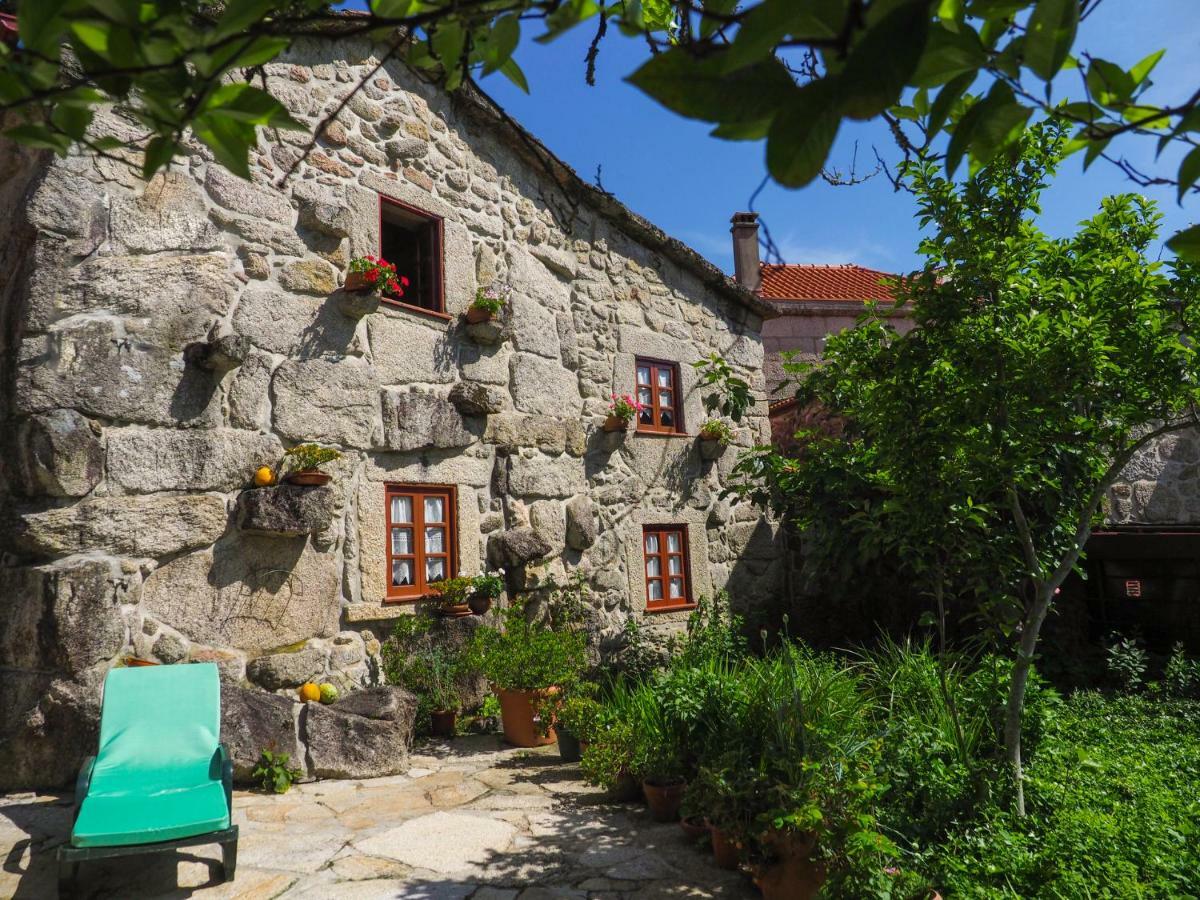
(228, 139)
(39, 136)
(1139, 72)
(246, 103)
(1189, 171)
(765, 25)
(1186, 244)
(501, 42)
(702, 89)
(159, 152)
(1109, 84)
(1049, 36)
(884, 60)
(802, 134)
(238, 17)
(513, 73)
(987, 128)
(949, 54)
(392, 9)
(939, 111)
(72, 119)
(40, 24)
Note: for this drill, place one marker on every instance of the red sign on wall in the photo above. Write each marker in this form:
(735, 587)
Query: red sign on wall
(1133, 588)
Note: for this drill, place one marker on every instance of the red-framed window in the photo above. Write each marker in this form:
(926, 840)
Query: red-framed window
(665, 550)
(411, 239)
(658, 392)
(422, 538)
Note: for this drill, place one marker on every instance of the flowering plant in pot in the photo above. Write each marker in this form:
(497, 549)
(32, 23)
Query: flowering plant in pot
(718, 431)
(622, 411)
(529, 659)
(486, 590)
(489, 302)
(370, 273)
(304, 463)
(451, 595)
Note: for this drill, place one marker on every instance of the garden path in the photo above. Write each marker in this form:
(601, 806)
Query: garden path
(472, 819)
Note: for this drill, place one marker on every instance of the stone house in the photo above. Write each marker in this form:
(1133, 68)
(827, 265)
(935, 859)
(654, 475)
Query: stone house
(162, 340)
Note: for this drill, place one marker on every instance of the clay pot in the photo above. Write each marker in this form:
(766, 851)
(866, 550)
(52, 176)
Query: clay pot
(479, 604)
(794, 875)
(616, 423)
(517, 717)
(568, 746)
(454, 610)
(357, 281)
(726, 854)
(625, 790)
(441, 722)
(309, 477)
(664, 799)
(694, 828)
(133, 662)
(476, 315)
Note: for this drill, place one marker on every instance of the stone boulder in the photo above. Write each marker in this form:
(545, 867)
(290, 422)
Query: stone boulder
(366, 734)
(416, 421)
(253, 721)
(287, 670)
(515, 547)
(581, 523)
(59, 454)
(474, 399)
(286, 510)
(48, 726)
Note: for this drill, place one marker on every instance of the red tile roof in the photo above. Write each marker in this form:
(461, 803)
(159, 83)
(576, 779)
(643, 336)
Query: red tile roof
(844, 282)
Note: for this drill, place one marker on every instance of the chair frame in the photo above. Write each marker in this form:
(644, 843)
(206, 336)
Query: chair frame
(70, 857)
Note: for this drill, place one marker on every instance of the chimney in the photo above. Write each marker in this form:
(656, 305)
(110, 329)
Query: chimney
(745, 250)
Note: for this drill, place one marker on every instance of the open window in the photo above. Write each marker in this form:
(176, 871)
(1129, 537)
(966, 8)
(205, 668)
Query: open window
(665, 550)
(411, 240)
(658, 392)
(422, 539)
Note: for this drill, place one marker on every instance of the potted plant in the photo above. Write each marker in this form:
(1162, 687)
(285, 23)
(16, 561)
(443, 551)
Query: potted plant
(489, 302)
(608, 756)
(691, 814)
(716, 789)
(576, 720)
(442, 690)
(487, 589)
(451, 595)
(528, 661)
(370, 273)
(304, 462)
(432, 671)
(715, 436)
(621, 412)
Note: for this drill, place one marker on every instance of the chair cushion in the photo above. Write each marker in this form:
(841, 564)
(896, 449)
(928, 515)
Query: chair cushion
(114, 819)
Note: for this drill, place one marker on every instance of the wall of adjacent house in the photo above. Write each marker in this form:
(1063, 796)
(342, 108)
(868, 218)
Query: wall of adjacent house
(165, 339)
(1161, 484)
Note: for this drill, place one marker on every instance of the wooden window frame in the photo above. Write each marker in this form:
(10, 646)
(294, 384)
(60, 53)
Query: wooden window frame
(439, 285)
(655, 365)
(419, 590)
(667, 603)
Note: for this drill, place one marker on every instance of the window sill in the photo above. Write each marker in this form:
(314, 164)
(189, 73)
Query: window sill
(663, 434)
(421, 310)
(679, 607)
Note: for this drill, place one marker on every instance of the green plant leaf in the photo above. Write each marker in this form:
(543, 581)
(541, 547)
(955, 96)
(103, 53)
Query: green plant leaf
(513, 73)
(1189, 171)
(40, 24)
(501, 42)
(1186, 244)
(884, 60)
(1139, 72)
(1049, 35)
(802, 134)
(949, 54)
(229, 140)
(702, 89)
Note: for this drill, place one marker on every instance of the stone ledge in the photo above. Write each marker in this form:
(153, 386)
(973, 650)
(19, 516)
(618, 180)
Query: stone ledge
(285, 510)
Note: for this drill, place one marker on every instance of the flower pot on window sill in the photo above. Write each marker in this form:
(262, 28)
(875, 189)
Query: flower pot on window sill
(518, 717)
(309, 478)
(476, 316)
(616, 424)
(664, 797)
(441, 722)
(454, 610)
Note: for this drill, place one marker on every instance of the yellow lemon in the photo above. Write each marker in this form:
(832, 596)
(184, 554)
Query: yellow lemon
(263, 476)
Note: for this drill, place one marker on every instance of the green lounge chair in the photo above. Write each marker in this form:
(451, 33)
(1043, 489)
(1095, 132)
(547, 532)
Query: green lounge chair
(161, 779)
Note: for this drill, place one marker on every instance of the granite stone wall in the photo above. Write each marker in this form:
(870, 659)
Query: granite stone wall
(162, 340)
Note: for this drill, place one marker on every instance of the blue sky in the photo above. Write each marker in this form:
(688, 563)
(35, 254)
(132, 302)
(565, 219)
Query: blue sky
(669, 170)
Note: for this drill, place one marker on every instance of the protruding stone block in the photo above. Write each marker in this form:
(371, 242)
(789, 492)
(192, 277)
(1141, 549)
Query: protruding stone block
(286, 670)
(581, 523)
(366, 734)
(412, 421)
(220, 355)
(515, 547)
(285, 510)
(59, 453)
(474, 399)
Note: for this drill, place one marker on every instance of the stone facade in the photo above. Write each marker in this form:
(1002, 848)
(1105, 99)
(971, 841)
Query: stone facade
(1161, 484)
(162, 340)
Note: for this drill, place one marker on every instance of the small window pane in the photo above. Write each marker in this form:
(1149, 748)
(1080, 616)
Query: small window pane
(435, 540)
(664, 378)
(654, 565)
(644, 396)
(402, 542)
(676, 588)
(435, 509)
(401, 509)
(666, 418)
(402, 572)
(673, 542)
(643, 375)
(435, 569)
(675, 565)
(656, 590)
(652, 543)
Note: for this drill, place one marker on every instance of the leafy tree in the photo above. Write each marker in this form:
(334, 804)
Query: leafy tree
(787, 72)
(978, 448)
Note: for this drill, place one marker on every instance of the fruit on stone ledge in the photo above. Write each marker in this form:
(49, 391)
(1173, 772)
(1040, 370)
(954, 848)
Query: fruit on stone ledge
(328, 693)
(264, 476)
(310, 693)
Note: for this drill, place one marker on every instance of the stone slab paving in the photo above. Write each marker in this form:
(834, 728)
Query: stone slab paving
(471, 819)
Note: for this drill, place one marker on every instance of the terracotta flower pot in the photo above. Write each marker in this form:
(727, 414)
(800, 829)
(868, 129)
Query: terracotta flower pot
(694, 828)
(454, 610)
(475, 315)
(664, 799)
(441, 722)
(309, 477)
(726, 853)
(518, 718)
(625, 790)
(357, 281)
(616, 423)
(479, 605)
(794, 875)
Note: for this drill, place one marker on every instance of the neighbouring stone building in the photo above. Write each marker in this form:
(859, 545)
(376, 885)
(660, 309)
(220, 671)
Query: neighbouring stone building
(160, 341)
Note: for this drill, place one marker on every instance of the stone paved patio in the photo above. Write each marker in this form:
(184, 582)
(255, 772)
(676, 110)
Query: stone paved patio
(472, 818)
